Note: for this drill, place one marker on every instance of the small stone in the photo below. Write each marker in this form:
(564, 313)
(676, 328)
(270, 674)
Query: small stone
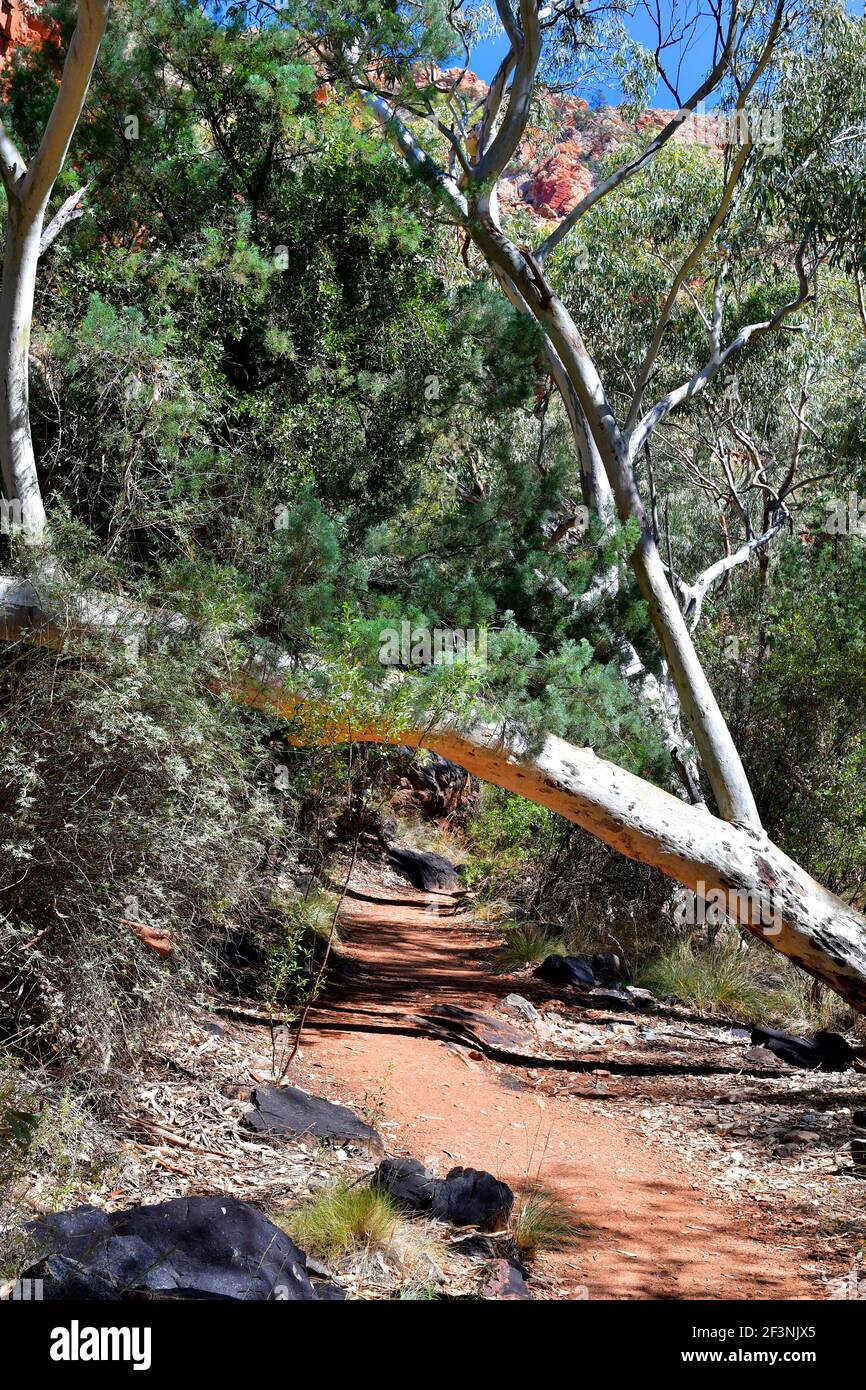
(802, 1136)
(516, 1004)
(505, 1281)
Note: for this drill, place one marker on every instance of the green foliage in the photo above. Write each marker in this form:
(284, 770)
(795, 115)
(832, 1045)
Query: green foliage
(527, 943)
(797, 701)
(718, 979)
(129, 797)
(541, 1220)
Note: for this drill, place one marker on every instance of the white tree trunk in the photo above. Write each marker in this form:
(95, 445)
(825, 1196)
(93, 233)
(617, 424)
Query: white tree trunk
(809, 925)
(28, 190)
(20, 481)
(716, 748)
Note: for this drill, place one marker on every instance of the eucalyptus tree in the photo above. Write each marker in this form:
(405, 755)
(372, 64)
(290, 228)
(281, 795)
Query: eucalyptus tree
(386, 59)
(460, 146)
(29, 184)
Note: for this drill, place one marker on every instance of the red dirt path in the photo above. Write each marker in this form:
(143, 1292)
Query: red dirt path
(650, 1231)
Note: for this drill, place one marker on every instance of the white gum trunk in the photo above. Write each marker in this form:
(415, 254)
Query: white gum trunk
(763, 889)
(809, 925)
(716, 748)
(20, 480)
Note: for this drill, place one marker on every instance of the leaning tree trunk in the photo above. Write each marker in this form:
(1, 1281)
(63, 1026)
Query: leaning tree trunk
(715, 745)
(807, 924)
(765, 891)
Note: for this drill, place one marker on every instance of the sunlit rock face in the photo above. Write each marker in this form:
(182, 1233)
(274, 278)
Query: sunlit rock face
(20, 23)
(553, 168)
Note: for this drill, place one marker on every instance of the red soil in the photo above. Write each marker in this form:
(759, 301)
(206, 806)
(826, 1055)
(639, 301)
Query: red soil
(651, 1232)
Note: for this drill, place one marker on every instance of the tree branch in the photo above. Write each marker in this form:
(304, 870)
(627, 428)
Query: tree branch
(494, 159)
(12, 165)
(416, 157)
(68, 212)
(693, 387)
(634, 166)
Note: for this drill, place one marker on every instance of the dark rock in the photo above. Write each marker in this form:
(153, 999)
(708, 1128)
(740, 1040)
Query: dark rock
(407, 1181)
(288, 1110)
(566, 970)
(328, 1292)
(608, 968)
(508, 1082)
(826, 1051)
(426, 871)
(64, 1278)
(505, 1281)
(473, 1027)
(210, 1245)
(604, 969)
(468, 1197)
(858, 1119)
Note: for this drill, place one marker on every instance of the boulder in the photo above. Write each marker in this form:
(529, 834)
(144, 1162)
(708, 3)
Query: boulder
(609, 969)
(566, 970)
(191, 1246)
(288, 1110)
(516, 1004)
(603, 968)
(406, 1180)
(429, 872)
(825, 1052)
(469, 1197)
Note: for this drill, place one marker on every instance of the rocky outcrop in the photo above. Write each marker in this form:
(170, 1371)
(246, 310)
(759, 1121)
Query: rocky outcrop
(193, 1247)
(20, 23)
(554, 167)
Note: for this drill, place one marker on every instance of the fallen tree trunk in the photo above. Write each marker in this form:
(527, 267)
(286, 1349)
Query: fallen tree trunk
(769, 894)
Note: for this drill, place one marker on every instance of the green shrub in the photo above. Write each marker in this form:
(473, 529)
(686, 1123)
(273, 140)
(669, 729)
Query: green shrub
(344, 1219)
(128, 794)
(526, 943)
(717, 979)
(542, 1221)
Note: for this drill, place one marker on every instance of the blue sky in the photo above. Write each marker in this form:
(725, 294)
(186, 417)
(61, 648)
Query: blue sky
(693, 61)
